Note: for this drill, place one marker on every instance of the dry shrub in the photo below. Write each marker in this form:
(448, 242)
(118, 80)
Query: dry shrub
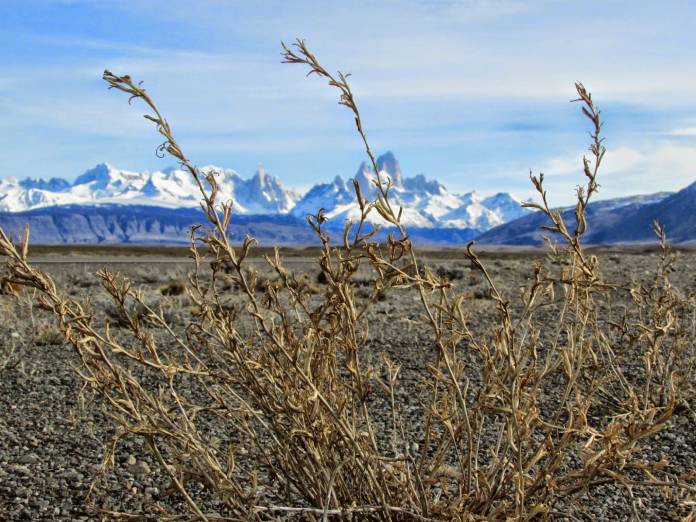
(174, 288)
(559, 394)
(453, 273)
(7, 287)
(47, 335)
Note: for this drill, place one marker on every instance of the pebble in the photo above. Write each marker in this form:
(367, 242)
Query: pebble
(71, 474)
(28, 459)
(21, 470)
(138, 467)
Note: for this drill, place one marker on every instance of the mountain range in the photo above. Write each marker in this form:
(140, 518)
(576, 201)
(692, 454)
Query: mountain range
(612, 221)
(427, 203)
(172, 188)
(109, 205)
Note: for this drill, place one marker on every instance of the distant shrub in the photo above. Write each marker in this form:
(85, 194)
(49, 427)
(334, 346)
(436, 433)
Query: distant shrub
(174, 288)
(450, 273)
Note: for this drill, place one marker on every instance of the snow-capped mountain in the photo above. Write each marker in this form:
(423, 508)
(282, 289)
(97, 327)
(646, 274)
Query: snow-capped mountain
(16, 195)
(483, 213)
(261, 194)
(109, 205)
(426, 203)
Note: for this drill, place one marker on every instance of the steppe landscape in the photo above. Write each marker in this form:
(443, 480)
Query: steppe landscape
(505, 331)
(54, 430)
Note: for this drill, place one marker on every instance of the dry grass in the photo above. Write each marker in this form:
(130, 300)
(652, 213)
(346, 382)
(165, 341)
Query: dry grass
(286, 374)
(8, 288)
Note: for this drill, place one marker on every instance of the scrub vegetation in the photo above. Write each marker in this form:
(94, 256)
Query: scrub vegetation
(286, 402)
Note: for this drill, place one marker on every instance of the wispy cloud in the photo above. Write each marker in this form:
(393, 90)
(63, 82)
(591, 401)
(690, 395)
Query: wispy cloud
(661, 166)
(473, 92)
(689, 132)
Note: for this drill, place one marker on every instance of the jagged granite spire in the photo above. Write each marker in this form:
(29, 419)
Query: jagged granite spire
(388, 163)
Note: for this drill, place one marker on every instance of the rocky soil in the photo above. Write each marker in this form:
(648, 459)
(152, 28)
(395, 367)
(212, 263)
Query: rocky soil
(52, 437)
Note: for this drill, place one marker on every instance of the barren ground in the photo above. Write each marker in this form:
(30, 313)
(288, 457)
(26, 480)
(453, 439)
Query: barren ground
(51, 443)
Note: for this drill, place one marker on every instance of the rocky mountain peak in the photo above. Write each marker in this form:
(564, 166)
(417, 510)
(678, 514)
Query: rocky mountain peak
(426, 202)
(388, 163)
(260, 177)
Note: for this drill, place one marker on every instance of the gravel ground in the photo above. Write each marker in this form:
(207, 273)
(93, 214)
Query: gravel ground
(52, 440)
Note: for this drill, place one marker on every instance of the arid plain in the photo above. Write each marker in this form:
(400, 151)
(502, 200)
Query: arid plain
(53, 431)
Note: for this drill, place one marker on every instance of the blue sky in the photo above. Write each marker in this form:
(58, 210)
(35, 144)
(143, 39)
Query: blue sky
(472, 92)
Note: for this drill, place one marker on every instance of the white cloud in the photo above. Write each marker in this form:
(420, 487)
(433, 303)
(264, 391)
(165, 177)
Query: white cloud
(458, 49)
(616, 161)
(661, 166)
(689, 132)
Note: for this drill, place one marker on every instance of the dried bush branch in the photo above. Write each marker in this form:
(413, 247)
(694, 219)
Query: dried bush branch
(285, 374)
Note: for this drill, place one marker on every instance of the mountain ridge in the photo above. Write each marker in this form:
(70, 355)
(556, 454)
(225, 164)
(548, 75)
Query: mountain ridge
(620, 220)
(426, 202)
(108, 205)
(145, 224)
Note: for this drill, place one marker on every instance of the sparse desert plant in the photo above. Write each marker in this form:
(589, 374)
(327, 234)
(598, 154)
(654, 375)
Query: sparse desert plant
(287, 378)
